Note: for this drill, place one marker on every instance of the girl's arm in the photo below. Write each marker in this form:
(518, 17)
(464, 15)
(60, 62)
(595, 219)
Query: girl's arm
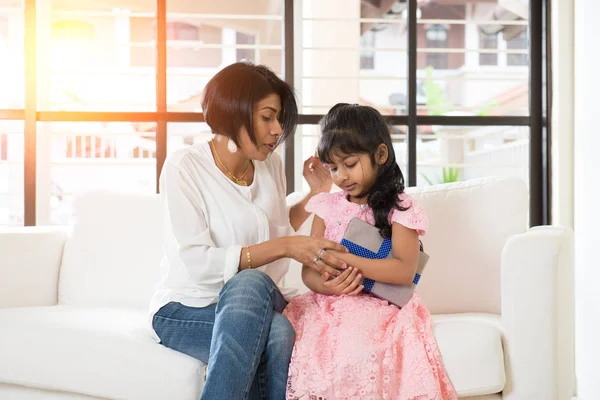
(319, 181)
(399, 269)
(349, 282)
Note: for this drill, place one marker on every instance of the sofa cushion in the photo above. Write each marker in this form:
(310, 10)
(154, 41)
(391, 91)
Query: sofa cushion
(113, 254)
(101, 352)
(93, 351)
(471, 345)
(469, 225)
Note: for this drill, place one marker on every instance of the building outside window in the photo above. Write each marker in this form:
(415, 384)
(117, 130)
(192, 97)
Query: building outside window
(437, 38)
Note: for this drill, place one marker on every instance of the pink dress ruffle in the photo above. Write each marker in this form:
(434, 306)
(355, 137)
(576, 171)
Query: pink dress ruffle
(360, 347)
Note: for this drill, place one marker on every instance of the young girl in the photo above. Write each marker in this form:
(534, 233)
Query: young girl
(351, 345)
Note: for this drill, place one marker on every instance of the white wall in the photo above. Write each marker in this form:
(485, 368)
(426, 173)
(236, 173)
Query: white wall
(587, 194)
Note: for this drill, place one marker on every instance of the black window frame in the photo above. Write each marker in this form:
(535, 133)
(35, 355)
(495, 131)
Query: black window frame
(537, 118)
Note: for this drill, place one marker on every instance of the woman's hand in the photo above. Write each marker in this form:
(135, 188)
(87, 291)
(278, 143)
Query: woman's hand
(312, 252)
(317, 176)
(348, 282)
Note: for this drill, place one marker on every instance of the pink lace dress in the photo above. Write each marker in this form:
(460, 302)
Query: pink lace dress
(360, 347)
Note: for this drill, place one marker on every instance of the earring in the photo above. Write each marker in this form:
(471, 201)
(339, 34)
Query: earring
(231, 146)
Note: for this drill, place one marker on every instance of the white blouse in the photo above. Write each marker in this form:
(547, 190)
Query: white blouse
(209, 219)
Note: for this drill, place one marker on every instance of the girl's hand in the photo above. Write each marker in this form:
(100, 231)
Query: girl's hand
(312, 252)
(317, 176)
(349, 282)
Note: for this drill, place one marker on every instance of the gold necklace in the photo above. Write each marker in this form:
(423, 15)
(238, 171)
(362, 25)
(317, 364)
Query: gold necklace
(240, 181)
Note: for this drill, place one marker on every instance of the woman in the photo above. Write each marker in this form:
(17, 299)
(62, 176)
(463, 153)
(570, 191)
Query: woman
(226, 238)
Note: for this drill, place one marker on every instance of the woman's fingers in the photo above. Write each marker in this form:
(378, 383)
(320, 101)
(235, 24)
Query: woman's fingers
(332, 261)
(332, 271)
(329, 245)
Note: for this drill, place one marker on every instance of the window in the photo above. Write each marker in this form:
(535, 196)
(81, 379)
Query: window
(73, 29)
(245, 54)
(182, 31)
(3, 147)
(88, 147)
(437, 38)
(189, 47)
(487, 41)
(517, 43)
(367, 56)
(3, 28)
(109, 73)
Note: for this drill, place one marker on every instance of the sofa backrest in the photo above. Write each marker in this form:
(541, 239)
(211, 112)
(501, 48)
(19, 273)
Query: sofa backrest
(469, 224)
(114, 250)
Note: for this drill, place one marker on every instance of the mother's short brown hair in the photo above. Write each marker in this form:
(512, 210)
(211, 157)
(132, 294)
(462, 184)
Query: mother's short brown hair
(230, 96)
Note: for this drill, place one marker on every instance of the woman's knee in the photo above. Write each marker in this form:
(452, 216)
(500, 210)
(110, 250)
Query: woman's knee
(250, 280)
(282, 335)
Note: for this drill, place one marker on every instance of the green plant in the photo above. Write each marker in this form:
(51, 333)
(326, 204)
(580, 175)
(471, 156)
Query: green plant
(450, 175)
(484, 112)
(437, 102)
(426, 178)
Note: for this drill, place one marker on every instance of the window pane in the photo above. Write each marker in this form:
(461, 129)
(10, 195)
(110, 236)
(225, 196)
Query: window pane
(88, 156)
(11, 173)
(12, 53)
(472, 57)
(352, 52)
(183, 134)
(87, 60)
(489, 42)
(205, 37)
(456, 153)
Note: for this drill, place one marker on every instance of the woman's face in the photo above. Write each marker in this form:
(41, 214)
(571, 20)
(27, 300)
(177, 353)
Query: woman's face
(267, 129)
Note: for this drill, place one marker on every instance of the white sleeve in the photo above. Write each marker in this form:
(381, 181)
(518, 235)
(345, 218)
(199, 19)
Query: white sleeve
(191, 241)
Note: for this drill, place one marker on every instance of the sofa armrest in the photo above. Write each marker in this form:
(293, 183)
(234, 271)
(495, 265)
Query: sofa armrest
(538, 314)
(29, 266)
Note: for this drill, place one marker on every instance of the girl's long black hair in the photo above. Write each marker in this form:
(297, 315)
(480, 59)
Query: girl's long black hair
(352, 129)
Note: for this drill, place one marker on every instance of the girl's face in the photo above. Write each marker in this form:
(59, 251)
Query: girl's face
(267, 129)
(353, 173)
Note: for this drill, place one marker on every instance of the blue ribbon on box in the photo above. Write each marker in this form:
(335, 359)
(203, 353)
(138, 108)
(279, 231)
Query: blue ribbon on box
(383, 252)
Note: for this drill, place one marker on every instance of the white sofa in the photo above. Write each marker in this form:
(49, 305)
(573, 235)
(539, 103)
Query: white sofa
(73, 303)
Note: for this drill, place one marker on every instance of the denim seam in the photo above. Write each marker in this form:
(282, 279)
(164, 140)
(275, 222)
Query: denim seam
(183, 320)
(262, 381)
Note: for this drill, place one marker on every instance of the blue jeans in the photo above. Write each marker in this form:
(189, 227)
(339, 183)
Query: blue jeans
(245, 340)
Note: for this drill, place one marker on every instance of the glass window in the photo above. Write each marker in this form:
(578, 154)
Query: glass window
(453, 81)
(11, 172)
(87, 156)
(455, 153)
(367, 55)
(518, 43)
(488, 42)
(245, 53)
(85, 54)
(437, 38)
(12, 70)
(227, 32)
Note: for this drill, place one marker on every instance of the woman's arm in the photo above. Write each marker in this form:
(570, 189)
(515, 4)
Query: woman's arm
(400, 269)
(298, 213)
